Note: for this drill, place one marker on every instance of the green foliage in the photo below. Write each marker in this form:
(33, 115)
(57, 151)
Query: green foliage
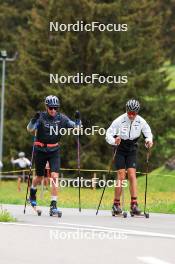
(167, 9)
(5, 216)
(137, 53)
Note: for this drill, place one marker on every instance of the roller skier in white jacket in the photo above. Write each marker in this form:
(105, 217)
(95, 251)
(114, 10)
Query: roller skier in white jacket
(124, 133)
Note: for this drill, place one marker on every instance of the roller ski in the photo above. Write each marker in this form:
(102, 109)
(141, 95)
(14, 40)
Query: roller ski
(135, 211)
(35, 207)
(117, 211)
(33, 203)
(134, 206)
(54, 211)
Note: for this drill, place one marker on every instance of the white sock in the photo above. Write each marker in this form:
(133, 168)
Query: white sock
(53, 198)
(32, 187)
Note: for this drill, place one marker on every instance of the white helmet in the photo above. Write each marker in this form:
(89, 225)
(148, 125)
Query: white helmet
(52, 100)
(133, 105)
(21, 154)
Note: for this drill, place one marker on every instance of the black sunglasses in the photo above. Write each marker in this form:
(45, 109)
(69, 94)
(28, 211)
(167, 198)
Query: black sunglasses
(53, 108)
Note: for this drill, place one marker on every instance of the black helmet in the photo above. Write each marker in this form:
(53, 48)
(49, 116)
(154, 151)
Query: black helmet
(133, 106)
(52, 100)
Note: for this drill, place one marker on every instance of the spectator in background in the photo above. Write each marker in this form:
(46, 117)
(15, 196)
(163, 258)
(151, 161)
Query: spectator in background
(22, 163)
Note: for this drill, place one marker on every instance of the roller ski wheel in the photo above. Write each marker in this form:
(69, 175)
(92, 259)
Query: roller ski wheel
(125, 214)
(54, 211)
(60, 214)
(39, 212)
(113, 214)
(132, 214)
(135, 214)
(34, 206)
(146, 215)
(135, 211)
(116, 210)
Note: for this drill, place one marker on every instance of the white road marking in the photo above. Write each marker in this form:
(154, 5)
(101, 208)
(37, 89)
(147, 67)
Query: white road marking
(152, 260)
(94, 228)
(127, 231)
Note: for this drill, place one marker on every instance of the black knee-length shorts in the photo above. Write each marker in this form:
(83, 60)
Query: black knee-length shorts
(125, 160)
(41, 158)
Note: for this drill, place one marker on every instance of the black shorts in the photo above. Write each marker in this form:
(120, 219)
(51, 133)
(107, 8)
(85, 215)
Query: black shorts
(125, 160)
(41, 158)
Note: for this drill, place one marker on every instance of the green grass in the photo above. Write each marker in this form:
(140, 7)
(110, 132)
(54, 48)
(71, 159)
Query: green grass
(161, 194)
(5, 216)
(161, 190)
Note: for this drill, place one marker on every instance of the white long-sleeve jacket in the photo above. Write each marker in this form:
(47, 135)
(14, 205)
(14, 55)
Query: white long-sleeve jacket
(128, 130)
(21, 162)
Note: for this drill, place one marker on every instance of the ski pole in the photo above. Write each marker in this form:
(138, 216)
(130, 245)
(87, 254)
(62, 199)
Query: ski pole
(123, 199)
(110, 167)
(146, 179)
(77, 122)
(30, 171)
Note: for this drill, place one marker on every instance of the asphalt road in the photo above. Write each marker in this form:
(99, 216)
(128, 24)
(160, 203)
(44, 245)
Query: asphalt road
(86, 238)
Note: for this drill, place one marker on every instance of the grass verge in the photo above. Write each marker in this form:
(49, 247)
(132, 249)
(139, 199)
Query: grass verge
(160, 199)
(5, 216)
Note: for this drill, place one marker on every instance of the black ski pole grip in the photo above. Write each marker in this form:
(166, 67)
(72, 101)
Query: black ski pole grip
(77, 115)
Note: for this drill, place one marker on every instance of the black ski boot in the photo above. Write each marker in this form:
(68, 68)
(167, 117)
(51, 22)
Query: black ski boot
(54, 210)
(116, 210)
(32, 198)
(135, 209)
